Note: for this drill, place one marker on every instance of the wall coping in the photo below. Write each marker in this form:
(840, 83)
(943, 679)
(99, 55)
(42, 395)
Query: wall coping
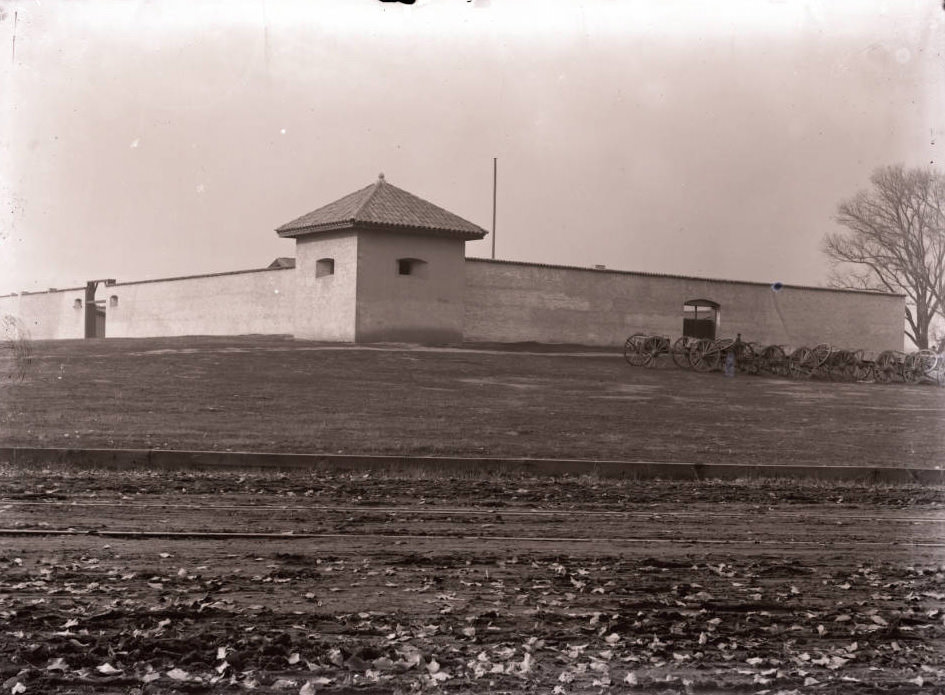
(202, 275)
(145, 282)
(30, 293)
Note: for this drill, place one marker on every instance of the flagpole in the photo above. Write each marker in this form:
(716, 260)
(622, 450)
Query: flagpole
(495, 176)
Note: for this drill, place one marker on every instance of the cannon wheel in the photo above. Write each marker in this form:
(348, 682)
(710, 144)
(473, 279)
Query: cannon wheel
(633, 350)
(888, 366)
(654, 346)
(705, 355)
(681, 353)
(819, 356)
(774, 361)
(799, 363)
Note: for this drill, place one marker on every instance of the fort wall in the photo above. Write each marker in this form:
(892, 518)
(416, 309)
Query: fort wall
(239, 303)
(366, 299)
(522, 302)
(52, 315)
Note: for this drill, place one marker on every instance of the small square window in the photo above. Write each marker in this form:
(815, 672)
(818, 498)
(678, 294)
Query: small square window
(77, 304)
(412, 266)
(324, 266)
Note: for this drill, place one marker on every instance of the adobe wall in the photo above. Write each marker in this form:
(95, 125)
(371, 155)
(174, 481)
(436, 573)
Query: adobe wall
(238, 303)
(499, 302)
(48, 315)
(423, 307)
(519, 302)
(325, 306)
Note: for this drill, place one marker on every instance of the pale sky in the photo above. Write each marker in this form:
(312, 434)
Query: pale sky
(145, 139)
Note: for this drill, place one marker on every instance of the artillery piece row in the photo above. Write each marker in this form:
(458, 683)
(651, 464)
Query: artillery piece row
(819, 362)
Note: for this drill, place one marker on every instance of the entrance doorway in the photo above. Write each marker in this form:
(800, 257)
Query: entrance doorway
(700, 318)
(99, 328)
(95, 309)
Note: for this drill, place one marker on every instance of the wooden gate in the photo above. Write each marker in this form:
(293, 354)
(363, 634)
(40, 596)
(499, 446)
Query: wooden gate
(95, 309)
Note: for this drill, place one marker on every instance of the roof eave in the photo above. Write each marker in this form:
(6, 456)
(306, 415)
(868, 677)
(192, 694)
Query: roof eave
(289, 232)
(466, 235)
(469, 235)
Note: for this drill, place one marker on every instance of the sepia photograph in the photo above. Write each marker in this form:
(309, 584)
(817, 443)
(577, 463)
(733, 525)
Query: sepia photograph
(472, 346)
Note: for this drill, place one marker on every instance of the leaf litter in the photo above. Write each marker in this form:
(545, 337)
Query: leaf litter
(329, 618)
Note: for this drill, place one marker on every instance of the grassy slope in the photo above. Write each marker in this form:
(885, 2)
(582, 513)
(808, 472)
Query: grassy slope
(271, 394)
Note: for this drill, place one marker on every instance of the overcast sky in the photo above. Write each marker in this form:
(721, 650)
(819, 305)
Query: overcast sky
(154, 139)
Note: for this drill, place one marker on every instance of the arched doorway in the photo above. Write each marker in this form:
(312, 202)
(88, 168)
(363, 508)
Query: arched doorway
(700, 318)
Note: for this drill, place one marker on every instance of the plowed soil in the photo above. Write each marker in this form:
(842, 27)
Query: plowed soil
(175, 582)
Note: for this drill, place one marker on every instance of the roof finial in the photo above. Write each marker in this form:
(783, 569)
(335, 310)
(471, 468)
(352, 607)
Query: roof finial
(380, 177)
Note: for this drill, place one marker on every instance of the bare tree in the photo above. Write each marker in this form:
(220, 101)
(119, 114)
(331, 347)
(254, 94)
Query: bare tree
(15, 338)
(895, 242)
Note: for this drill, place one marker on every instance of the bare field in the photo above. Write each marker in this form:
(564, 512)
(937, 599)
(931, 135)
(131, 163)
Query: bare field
(276, 394)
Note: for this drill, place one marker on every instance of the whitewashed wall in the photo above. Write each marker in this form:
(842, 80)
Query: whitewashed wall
(475, 300)
(239, 303)
(50, 315)
(519, 302)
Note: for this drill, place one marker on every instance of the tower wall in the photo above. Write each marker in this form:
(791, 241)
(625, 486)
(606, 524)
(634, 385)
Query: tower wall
(424, 305)
(325, 302)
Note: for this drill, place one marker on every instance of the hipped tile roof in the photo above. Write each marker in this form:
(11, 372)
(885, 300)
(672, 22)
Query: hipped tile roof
(282, 262)
(382, 205)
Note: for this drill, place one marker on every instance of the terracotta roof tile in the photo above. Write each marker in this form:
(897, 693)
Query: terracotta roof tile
(382, 205)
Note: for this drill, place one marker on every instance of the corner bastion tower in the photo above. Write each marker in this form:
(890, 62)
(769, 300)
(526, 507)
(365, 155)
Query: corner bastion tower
(380, 264)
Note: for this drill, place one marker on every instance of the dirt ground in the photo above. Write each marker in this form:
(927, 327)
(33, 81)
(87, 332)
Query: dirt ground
(189, 582)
